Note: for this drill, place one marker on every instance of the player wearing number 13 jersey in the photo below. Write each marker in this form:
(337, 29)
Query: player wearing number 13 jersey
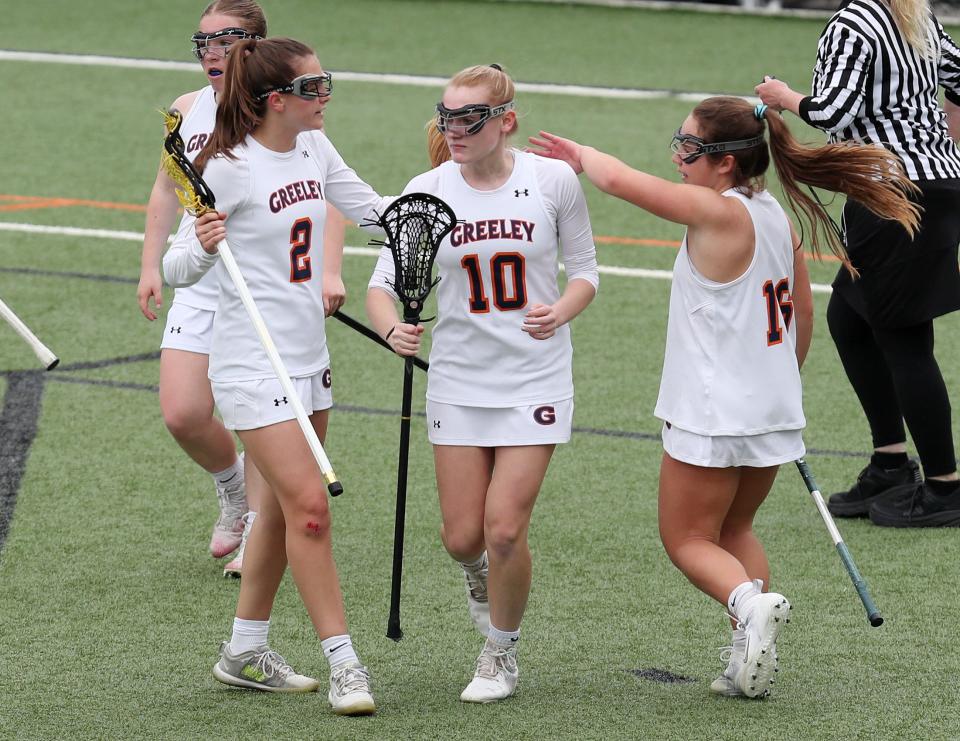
(740, 324)
(500, 386)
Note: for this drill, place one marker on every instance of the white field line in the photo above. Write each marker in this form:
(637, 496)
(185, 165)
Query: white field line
(72, 231)
(584, 91)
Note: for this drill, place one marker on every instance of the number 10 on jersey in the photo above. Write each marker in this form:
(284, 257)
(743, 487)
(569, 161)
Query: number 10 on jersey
(507, 279)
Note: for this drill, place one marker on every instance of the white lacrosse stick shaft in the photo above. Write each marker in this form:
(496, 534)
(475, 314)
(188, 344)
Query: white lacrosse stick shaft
(333, 485)
(43, 352)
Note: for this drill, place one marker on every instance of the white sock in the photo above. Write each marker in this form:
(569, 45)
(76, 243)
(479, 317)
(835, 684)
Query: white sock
(339, 650)
(740, 596)
(229, 474)
(248, 635)
(503, 638)
(474, 565)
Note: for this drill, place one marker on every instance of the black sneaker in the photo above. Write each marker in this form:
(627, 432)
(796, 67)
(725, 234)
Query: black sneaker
(915, 505)
(872, 485)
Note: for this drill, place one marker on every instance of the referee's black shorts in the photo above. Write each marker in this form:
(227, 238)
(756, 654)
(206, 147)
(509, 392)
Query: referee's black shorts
(904, 281)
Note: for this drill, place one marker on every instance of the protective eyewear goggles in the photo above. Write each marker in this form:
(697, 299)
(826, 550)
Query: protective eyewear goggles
(218, 43)
(469, 119)
(691, 148)
(306, 87)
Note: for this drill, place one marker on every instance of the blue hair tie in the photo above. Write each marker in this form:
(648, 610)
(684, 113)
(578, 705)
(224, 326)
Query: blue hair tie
(759, 111)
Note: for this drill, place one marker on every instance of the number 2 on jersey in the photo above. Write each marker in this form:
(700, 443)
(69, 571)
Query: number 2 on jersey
(509, 293)
(779, 304)
(300, 234)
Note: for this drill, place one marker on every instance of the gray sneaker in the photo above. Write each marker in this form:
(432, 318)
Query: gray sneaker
(477, 601)
(350, 690)
(260, 670)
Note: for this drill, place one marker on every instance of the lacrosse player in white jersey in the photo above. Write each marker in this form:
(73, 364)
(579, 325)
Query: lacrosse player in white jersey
(740, 324)
(500, 385)
(186, 401)
(272, 171)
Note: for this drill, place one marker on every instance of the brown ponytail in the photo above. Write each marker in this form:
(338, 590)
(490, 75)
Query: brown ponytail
(253, 67)
(868, 174)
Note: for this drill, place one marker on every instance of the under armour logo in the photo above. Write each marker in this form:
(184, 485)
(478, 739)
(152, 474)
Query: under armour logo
(175, 329)
(516, 193)
(305, 154)
(276, 402)
(436, 423)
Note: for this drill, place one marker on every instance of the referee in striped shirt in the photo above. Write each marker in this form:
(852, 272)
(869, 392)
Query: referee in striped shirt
(880, 64)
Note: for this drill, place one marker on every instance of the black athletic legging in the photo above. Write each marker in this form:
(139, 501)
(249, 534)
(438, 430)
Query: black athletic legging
(897, 379)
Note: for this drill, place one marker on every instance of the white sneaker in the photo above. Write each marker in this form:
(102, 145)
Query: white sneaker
(477, 601)
(260, 669)
(766, 615)
(496, 675)
(350, 690)
(733, 655)
(235, 567)
(228, 529)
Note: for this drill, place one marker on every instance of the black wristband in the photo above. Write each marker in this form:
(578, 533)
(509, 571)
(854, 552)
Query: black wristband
(390, 333)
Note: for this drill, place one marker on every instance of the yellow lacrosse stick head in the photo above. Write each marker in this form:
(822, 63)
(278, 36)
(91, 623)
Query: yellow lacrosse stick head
(174, 162)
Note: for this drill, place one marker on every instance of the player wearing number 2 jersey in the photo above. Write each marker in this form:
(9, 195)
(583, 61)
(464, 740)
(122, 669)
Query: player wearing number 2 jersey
(500, 386)
(740, 324)
(272, 172)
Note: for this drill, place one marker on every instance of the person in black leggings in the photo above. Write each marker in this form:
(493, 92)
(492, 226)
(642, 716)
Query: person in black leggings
(877, 77)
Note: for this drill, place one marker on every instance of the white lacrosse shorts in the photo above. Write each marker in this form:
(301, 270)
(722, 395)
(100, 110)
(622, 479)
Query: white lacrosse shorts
(249, 405)
(535, 424)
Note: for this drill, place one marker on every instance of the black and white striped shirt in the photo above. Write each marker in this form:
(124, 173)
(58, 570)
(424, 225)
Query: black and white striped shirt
(871, 86)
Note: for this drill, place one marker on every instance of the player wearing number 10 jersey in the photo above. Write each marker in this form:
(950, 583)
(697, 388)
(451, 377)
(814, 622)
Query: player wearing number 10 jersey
(498, 262)
(500, 386)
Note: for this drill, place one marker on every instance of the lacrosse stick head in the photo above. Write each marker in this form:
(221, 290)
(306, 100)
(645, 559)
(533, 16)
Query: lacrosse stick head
(415, 225)
(193, 194)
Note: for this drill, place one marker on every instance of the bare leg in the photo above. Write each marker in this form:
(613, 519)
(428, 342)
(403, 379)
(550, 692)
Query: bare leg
(517, 476)
(283, 457)
(463, 475)
(694, 503)
(186, 402)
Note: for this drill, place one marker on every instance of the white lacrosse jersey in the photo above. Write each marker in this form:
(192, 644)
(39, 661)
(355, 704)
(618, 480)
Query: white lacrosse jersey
(195, 130)
(500, 259)
(276, 206)
(730, 366)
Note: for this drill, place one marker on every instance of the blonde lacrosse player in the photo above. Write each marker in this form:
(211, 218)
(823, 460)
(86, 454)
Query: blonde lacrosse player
(739, 328)
(272, 171)
(186, 401)
(500, 385)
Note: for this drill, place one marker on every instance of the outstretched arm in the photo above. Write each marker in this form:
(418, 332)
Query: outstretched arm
(692, 205)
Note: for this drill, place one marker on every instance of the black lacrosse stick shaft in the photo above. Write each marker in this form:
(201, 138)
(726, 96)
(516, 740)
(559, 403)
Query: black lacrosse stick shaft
(415, 224)
(393, 621)
(367, 332)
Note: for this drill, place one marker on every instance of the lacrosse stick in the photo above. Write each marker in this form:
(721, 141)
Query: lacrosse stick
(415, 224)
(873, 614)
(197, 199)
(42, 352)
(367, 332)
